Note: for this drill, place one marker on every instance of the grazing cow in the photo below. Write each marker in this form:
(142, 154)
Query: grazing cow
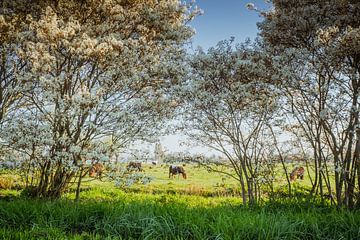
(96, 170)
(174, 170)
(298, 172)
(154, 163)
(134, 166)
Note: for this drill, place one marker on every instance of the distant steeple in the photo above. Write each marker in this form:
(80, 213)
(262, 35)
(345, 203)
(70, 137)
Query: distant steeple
(159, 153)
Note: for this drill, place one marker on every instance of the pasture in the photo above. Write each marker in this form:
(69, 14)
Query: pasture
(201, 182)
(204, 206)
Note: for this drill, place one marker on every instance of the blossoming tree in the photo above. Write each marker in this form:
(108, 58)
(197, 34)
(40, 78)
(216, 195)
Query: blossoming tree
(318, 42)
(229, 103)
(101, 74)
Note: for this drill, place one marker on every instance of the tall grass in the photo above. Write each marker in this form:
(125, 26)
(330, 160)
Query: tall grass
(174, 209)
(105, 214)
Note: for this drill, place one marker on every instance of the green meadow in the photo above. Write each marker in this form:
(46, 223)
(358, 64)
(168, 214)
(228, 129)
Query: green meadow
(204, 206)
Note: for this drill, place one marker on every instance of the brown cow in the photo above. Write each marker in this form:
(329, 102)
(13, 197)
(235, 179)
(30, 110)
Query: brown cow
(134, 166)
(174, 170)
(96, 170)
(298, 172)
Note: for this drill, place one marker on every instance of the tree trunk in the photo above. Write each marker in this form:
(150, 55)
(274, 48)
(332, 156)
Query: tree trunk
(77, 196)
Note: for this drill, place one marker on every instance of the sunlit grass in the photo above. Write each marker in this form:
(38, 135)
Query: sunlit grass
(118, 215)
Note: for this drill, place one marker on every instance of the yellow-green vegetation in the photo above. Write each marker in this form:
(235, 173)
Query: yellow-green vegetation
(199, 182)
(10, 181)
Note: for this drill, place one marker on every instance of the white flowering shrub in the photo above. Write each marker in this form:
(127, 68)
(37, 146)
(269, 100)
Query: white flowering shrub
(229, 100)
(99, 76)
(318, 42)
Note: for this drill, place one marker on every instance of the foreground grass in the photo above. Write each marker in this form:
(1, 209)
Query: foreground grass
(171, 209)
(109, 214)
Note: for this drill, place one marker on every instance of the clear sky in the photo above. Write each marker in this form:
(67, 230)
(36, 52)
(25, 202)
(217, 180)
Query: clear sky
(221, 20)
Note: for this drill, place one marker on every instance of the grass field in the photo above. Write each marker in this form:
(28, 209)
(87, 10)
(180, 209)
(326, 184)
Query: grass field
(196, 208)
(199, 182)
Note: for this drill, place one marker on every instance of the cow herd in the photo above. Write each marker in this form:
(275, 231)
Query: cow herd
(173, 169)
(97, 169)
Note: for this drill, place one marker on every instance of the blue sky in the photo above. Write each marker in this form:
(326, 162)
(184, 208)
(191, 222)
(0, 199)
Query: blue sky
(223, 19)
